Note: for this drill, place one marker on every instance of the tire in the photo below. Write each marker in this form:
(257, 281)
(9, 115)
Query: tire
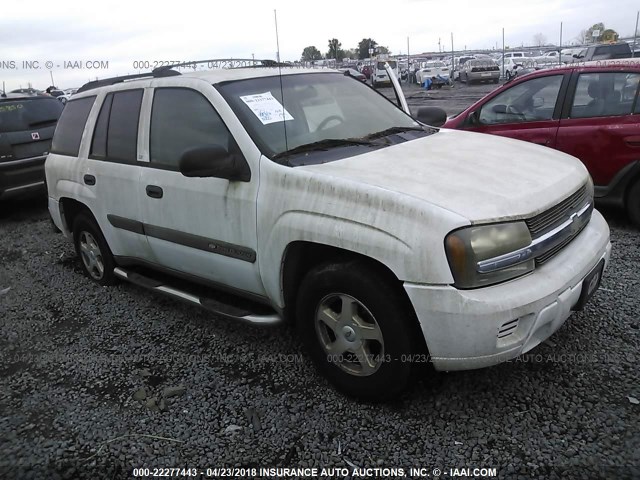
(380, 311)
(633, 203)
(495, 80)
(92, 249)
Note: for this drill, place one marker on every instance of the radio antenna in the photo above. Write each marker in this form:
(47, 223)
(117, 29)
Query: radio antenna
(284, 123)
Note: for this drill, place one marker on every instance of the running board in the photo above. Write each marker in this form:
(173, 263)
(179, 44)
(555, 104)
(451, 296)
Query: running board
(218, 307)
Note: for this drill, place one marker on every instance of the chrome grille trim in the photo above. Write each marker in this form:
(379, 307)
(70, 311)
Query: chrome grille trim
(549, 218)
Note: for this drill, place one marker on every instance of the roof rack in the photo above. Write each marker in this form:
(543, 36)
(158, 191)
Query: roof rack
(224, 63)
(113, 80)
(168, 70)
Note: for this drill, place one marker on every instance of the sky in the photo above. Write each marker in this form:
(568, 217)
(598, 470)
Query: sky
(77, 41)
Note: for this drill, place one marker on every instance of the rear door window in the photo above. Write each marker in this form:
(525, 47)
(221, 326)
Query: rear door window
(604, 94)
(122, 137)
(115, 137)
(66, 140)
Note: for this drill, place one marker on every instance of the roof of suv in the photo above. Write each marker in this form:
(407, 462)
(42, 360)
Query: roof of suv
(225, 74)
(218, 76)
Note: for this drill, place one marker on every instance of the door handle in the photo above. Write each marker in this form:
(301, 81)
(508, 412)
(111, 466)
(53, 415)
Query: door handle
(632, 141)
(89, 179)
(154, 191)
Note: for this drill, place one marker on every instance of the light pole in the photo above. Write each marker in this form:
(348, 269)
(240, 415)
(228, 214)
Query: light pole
(635, 35)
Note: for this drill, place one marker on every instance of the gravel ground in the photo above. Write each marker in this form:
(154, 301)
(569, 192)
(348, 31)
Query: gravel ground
(96, 381)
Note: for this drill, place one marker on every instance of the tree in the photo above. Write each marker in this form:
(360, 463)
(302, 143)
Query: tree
(311, 53)
(350, 53)
(383, 50)
(597, 28)
(334, 49)
(609, 35)
(539, 39)
(582, 37)
(363, 47)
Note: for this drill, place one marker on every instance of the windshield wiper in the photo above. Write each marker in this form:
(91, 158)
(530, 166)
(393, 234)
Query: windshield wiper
(392, 130)
(325, 144)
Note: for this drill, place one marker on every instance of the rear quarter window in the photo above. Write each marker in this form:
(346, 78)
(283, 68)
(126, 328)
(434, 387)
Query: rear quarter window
(68, 134)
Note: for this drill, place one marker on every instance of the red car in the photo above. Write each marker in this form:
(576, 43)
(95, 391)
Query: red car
(590, 111)
(366, 70)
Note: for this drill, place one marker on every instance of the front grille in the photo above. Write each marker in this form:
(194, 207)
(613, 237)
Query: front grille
(547, 220)
(542, 259)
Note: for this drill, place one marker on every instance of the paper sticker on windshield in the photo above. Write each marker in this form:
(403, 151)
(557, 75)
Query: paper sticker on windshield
(267, 108)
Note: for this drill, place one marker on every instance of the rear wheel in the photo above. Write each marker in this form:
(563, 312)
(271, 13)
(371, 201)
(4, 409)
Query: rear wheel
(633, 203)
(358, 329)
(91, 246)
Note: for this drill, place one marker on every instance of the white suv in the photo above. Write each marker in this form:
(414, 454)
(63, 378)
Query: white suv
(305, 194)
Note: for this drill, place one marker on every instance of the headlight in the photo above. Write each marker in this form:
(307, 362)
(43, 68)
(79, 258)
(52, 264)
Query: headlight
(467, 247)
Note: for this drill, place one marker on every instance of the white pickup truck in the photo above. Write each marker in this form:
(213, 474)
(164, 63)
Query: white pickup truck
(265, 194)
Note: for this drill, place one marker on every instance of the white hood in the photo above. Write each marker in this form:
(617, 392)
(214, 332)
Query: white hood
(481, 177)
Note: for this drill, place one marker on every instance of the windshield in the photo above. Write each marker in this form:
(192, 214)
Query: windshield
(392, 63)
(317, 107)
(29, 113)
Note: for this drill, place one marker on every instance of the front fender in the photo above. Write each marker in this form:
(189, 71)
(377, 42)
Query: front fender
(332, 231)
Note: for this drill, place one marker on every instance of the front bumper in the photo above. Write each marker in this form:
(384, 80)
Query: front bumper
(21, 176)
(467, 329)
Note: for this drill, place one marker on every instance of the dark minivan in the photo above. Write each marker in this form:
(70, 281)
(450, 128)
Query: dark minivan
(26, 128)
(605, 52)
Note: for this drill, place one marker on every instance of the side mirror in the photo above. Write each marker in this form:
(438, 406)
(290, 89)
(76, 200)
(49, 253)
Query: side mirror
(538, 102)
(499, 109)
(473, 118)
(434, 116)
(213, 161)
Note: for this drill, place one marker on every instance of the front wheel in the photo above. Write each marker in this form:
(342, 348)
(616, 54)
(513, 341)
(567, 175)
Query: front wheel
(633, 203)
(359, 329)
(91, 247)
